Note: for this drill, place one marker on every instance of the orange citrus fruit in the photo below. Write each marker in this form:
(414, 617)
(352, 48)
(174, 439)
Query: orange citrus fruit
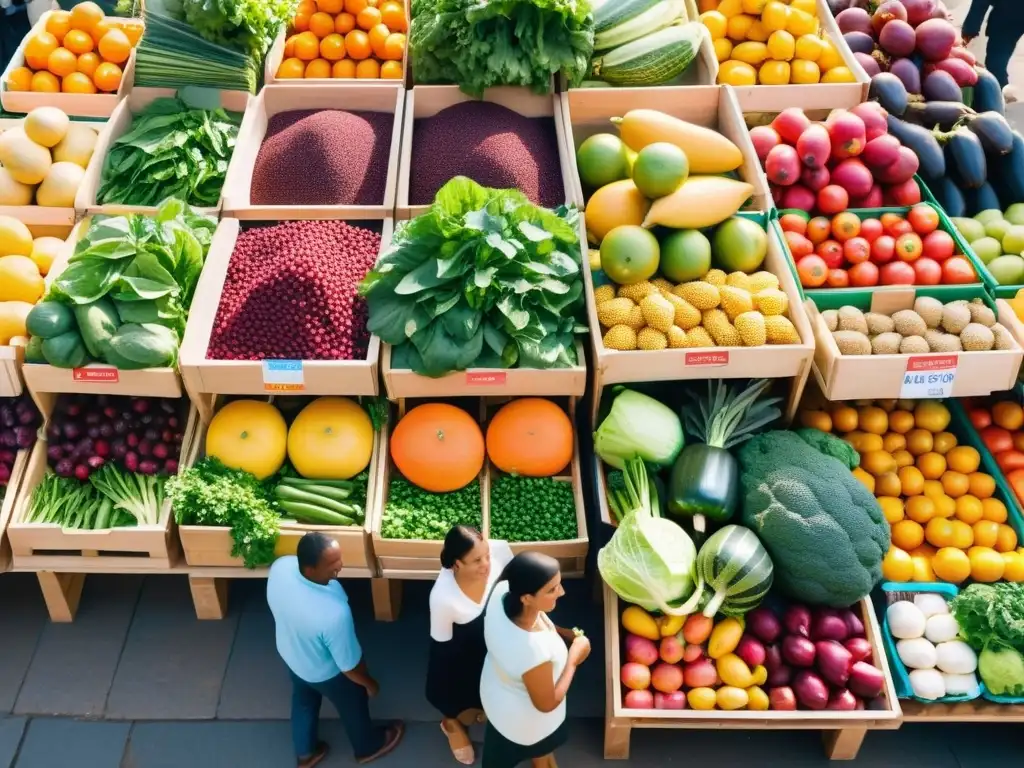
(1013, 566)
(892, 508)
(939, 532)
(291, 69)
(62, 62)
(20, 79)
(107, 77)
(393, 14)
(893, 441)
(59, 24)
(344, 69)
(986, 533)
(368, 69)
(897, 565)
(963, 534)
(368, 18)
(1006, 539)
(307, 46)
(77, 82)
(355, 6)
(931, 464)
(132, 30)
(394, 47)
(986, 565)
(922, 568)
(378, 36)
(969, 509)
(78, 41)
(87, 63)
(308, 7)
(357, 44)
(920, 509)
(344, 23)
(332, 47)
(330, 6)
(964, 459)
(945, 506)
(85, 16)
(97, 32)
(906, 534)
(933, 488)
(993, 509)
(931, 415)
(981, 485)
(912, 480)
(321, 24)
(115, 46)
(38, 49)
(956, 484)
(392, 70)
(950, 564)
(903, 458)
(45, 82)
(318, 68)
(301, 22)
(919, 441)
(888, 485)
(289, 47)
(944, 442)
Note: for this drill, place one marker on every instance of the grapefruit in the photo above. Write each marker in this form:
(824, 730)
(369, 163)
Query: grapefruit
(739, 245)
(685, 256)
(630, 254)
(659, 169)
(602, 159)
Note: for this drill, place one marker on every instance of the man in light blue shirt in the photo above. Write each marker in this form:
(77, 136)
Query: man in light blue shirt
(317, 640)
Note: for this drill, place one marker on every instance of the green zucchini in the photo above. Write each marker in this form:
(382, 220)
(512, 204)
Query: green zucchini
(655, 16)
(653, 60)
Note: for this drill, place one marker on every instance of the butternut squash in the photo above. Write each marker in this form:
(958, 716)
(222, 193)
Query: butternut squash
(702, 201)
(707, 150)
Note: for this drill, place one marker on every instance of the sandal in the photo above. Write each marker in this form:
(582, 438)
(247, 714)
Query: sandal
(392, 736)
(464, 755)
(318, 755)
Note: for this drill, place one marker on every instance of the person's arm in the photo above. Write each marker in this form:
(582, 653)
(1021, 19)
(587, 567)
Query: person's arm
(566, 634)
(972, 24)
(360, 675)
(348, 654)
(442, 619)
(546, 693)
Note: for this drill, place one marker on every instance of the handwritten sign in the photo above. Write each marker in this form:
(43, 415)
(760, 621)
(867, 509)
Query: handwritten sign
(928, 377)
(485, 379)
(711, 357)
(283, 376)
(96, 375)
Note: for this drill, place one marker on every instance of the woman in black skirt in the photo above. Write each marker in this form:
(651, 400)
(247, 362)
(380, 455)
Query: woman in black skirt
(471, 565)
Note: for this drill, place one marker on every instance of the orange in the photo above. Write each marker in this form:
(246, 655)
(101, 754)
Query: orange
(888, 485)
(318, 68)
(933, 488)
(951, 565)
(986, 565)
(963, 459)
(931, 415)
(307, 46)
(919, 441)
(871, 419)
(59, 24)
(368, 18)
(986, 533)
(932, 465)
(38, 49)
(85, 16)
(87, 63)
(394, 49)
(862, 441)
(920, 509)
(993, 509)
(45, 82)
(969, 509)
(901, 421)
(62, 62)
(291, 69)
(893, 441)
(912, 481)
(878, 463)
(981, 484)
(115, 46)
(892, 508)
(1013, 566)
(906, 534)
(301, 22)
(330, 6)
(944, 442)
(963, 534)
(922, 568)
(332, 47)
(355, 6)
(77, 41)
(357, 44)
(20, 79)
(344, 69)
(903, 459)
(1008, 415)
(289, 47)
(344, 23)
(392, 70)
(378, 36)
(309, 7)
(107, 77)
(369, 69)
(939, 532)
(956, 484)
(78, 82)
(321, 24)
(1006, 539)
(925, 550)
(897, 565)
(844, 418)
(133, 31)
(101, 29)
(393, 14)
(945, 506)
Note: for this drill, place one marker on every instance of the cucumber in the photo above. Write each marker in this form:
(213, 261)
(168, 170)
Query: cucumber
(612, 13)
(655, 59)
(658, 16)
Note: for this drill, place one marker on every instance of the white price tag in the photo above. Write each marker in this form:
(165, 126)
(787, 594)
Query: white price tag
(929, 377)
(283, 376)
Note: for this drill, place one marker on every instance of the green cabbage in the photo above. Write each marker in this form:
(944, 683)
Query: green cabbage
(1002, 670)
(638, 425)
(649, 561)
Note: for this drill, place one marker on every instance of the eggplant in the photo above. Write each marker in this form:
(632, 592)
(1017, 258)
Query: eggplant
(988, 95)
(889, 91)
(995, 133)
(1009, 173)
(983, 198)
(950, 197)
(940, 86)
(923, 144)
(944, 114)
(965, 151)
(704, 484)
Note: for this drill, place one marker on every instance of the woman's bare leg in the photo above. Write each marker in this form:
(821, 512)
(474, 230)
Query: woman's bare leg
(543, 762)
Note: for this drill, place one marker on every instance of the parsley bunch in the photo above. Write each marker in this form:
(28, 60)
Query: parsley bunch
(412, 513)
(532, 509)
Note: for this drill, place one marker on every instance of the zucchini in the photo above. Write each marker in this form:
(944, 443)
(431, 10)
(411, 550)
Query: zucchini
(613, 13)
(704, 482)
(657, 15)
(656, 59)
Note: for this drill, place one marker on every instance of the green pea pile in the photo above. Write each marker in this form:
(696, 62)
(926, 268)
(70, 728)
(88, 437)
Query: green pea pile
(532, 509)
(412, 513)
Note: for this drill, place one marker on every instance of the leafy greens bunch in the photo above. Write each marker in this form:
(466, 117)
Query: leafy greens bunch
(112, 498)
(991, 619)
(477, 44)
(484, 279)
(412, 513)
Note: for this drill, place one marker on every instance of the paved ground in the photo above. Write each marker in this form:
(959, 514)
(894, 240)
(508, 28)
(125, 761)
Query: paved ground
(137, 682)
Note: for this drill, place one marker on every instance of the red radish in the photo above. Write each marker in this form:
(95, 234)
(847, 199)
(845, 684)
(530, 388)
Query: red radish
(842, 700)
(674, 700)
(764, 138)
(815, 178)
(853, 176)
(859, 648)
(814, 146)
(904, 168)
(790, 123)
(927, 272)
(897, 38)
(935, 39)
(782, 699)
(907, 193)
(865, 680)
(959, 52)
(847, 132)
(833, 199)
(897, 273)
(810, 689)
(799, 197)
(873, 115)
(881, 151)
(886, 12)
(751, 651)
(668, 677)
(919, 10)
(640, 650)
(872, 199)
(964, 74)
(638, 700)
(863, 274)
(782, 166)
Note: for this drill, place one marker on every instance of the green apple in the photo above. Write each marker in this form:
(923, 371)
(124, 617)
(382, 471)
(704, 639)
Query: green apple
(987, 248)
(1015, 213)
(997, 228)
(1013, 240)
(1007, 270)
(971, 230)
(986, 216)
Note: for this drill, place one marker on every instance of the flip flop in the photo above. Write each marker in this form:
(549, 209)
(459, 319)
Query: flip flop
(322, 748)
(464, 755)
(392, 736)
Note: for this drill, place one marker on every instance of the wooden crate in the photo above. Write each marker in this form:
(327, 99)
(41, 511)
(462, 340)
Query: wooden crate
(203, 376)
(48, 547)
(588, 111)
(976, 711)
(879, 377)
(119, 124)
(425, 101)
(843, 732)
(73, 104)
(7, 506)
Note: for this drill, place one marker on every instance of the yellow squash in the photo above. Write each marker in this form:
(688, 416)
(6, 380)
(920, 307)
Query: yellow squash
(702, 201)
(614, 205)
(331, 439)
(249, 435)
(707, 150)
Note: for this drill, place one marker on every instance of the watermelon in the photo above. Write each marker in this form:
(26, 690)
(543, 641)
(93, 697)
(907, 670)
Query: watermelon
(736, 571)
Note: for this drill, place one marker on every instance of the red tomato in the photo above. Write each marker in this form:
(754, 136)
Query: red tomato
(793, 222)
(883, 249)
(863, 274)
(838, 278)
(799, 245)
(958, 270)
(832, 253)
(938, 245)
(927, 271)
(980, 417)
(832, 199)
(813, 271)
(996, 439)
(908, 247)
(1010, 460)
(1018, 441)
(856, 250)
(1016, 481)
(897, 273)
(923, 218)
(818, 229)
(845, 225)
(870, 229)
(895, 225)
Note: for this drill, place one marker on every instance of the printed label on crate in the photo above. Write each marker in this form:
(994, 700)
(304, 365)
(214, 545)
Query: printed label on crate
(931, 376)
(710, 357)
(94, 375)
(283, 376)
(481, 379)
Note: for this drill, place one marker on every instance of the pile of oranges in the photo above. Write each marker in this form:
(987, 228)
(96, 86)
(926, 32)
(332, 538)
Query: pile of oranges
(77, 51)
(346, 39)
(946, 523)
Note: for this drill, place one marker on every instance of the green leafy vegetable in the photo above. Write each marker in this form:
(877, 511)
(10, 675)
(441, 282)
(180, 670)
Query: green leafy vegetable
(987, 612)
(638, 425)
(111, 499)
(412, 513)
(632, 490)
(532, 509)
(141, 496)
(249, 26)
(484, 279)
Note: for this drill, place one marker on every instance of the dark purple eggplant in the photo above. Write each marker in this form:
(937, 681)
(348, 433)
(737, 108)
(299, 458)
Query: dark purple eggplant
(984, 198)
(1009, 173)
(988, 94)
(995, 133)
(860, 42)
(908, 73)
(964, 149)
(924, 144)
(944, 114)
(940, 86)
(889, 91)
(949, 196)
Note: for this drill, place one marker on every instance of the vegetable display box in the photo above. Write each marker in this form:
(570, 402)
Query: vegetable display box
(275, 56)
(426, 101)
(909, 376)
(11, 357)
(74, 104)
(7, 506)
(204, 376)
(277, 99)
(845, 730)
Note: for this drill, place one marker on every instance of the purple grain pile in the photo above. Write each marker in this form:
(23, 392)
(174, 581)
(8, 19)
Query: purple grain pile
(290, 294)
(490, 144)
(323, 157)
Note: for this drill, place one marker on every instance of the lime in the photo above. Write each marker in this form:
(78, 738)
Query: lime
(602, 159)
(1007, 270)
(659, 169)
(997, 228)
(989, 215)
(739, 245)
(987, 248)
(685, 256)
(630, 254)
(970, 228)
(1015, 213)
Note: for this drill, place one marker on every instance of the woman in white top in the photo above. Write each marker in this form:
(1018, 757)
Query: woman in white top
(529, 668)
(471, 565)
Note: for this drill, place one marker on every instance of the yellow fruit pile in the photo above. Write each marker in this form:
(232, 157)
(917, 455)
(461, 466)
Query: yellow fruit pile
(946, 523)
(773, 42)
(720, 310)
(23, 264)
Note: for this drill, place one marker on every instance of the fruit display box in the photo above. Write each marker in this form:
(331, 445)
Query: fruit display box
(999, 244)
(7, 506)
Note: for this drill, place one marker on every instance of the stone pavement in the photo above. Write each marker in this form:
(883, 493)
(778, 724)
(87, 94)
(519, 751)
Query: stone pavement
(137, 682)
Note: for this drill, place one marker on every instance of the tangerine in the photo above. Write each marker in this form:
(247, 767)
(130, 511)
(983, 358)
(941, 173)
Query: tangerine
(901, 421)
(101, 29)
(307, 46)
(357, 44)
(344, 69)
(85, 16)
(330, 6)
(59, 24)
(919, 441)
(133, 31)
(892, 508)
(394, 47)
(969, 509)
(317, 69)
(301, 22)
(332, 47)
(939, 532)
(291, 69)
(308, 7)
(963, 534)
(62, 62)
(368, 69)
(344, 23)
(391, 70)
(355, 6)
(945, 506)
(115, 46)
(893, 441)
(107, 77)
(321, 24)
(888, 485)
(986, 533)
(911, 480)
(1006, 539)
(393, 14)
(897, 565)
(78, 82)
(378, 36)
(87, 63)
(904, 458)
(368, 18)
(950, 564)
(45, 82)
(922, 568)
(944, 442)
(906, 534)
(931, 464)
(38, 49)
(289, 47)
(993, 509)
(981, 484)
(920, 509)
(1013, 566)
(986, 565)
(79, 42)
(933, 488)
(963, 459)
(20, 79)
(956, 484)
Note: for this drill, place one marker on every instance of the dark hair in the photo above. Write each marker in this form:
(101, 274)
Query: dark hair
(458, 543)
(526, 574)
(311, 548)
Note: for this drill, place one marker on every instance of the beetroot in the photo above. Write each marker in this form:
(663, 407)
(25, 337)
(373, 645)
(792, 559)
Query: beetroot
(782, 166)
(860, 42)
(904, 168)
(935, 39)
(764, 137)
(897, 38)
(881, 152)
(868, 63)
(963, 73)
(854, 20)
(815, 178)
(886, 12)
(19, 420)
(873, 115)
(790, 123)
(814, 146)
(842, 700)
(908, 73)
(847, 132)
(853, 176)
